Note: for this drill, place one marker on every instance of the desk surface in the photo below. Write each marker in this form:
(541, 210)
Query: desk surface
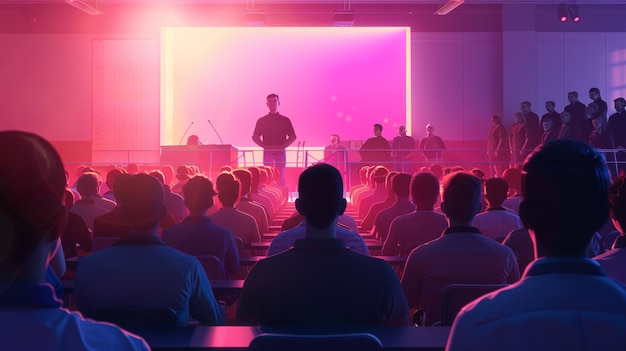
(239, 337)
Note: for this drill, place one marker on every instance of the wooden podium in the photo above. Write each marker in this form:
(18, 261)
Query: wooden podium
(209, 158)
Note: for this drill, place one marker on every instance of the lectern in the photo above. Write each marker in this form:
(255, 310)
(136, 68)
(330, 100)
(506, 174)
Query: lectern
(209, 158)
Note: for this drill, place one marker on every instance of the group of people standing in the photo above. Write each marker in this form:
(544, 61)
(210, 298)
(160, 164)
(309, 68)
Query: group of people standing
(588, 124)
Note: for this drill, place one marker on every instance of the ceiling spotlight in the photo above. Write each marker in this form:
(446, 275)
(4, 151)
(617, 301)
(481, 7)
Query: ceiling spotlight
(573, 12)
(561, 11)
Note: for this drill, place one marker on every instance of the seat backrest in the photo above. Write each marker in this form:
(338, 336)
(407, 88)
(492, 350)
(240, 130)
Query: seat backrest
(212, 267)
(241, 247)
(102, 242)
(315, 342)
(456, 296)
(132, 318)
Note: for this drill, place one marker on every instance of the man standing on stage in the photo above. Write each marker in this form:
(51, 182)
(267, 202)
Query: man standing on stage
(274, 133)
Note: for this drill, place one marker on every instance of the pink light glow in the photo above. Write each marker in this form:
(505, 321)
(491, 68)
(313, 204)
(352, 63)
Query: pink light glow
(330, 80)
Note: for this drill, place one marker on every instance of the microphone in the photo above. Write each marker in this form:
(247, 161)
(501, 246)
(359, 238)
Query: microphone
(185, 133)
(216, 133)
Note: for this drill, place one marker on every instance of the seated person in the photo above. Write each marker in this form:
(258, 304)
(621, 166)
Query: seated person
(400, 188)
(613, 262)
(285, 239)
(197, 235)
(320, 282)
(497, 221)
(30, 315)
(140, 271)
(462, 255)
(241, 224)
(411, 230)
(564, 301)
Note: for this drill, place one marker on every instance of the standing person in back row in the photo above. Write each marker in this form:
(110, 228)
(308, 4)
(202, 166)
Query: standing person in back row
(274, 133)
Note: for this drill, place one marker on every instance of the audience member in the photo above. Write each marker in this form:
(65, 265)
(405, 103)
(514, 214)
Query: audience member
(140, 271)
(552, 115)
(375, 151)
(576, 113)
(173, 202)
(549, 131)
(32, 216)
(411, 230)
(400, 187)
(533, 129)
(497, 147)
(197, 235)
(376, 194)
(517, 137)
(368, 221)
(432, 146)
(320, 282)
(90, 205)
(570, 129)
(497, 221)
(564, 301)
(513, 178)
(462, 255)
(402, 150)
(246, 205)
(614, 261)
(110, 182)
(75, 231)
(596, 108)
(241, 224)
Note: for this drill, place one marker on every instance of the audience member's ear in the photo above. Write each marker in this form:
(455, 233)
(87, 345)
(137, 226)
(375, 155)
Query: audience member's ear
(342, 206)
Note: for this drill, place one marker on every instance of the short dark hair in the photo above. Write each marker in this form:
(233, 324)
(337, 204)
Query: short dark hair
(320, 195)
(378, 126)
(496, 190)
(595, 90)
(526, 103)
(245, 178)
(32, 190)
(575, 93)
(550, 102)
(273, 96)
(198, 193)
(142, 204)
(227, 189)
(400, 184)
(88, 184)
(461, 195)
(565, 185)
(424, 188)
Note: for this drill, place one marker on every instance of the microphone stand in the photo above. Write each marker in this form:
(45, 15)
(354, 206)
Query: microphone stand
(185, 133)
(216, 133)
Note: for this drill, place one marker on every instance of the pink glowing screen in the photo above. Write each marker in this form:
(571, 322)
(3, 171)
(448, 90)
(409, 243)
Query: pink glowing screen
(330, 80)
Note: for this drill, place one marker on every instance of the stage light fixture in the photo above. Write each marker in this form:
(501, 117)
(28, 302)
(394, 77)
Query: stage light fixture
(561, 11)
(84, 6)
(449, 7)
(573, 12)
